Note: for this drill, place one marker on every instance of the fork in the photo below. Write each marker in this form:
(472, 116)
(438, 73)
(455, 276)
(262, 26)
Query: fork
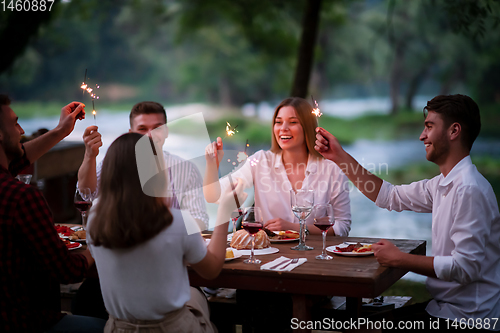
(294, 261)
(281, 263)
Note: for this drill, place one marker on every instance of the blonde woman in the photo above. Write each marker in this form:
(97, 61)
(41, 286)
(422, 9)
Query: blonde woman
(292, 163)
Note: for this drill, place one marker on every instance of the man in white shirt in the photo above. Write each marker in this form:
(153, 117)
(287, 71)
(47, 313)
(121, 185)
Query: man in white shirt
(464, 271)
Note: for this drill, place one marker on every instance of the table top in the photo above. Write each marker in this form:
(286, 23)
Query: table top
(342, 276)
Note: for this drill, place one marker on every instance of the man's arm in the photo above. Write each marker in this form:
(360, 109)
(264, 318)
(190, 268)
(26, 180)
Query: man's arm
(328, 146)
(87, 176)
(37, 147)
(388, 254)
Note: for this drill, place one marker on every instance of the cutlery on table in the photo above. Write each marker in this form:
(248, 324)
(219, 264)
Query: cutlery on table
(281, 263)
(293, 261)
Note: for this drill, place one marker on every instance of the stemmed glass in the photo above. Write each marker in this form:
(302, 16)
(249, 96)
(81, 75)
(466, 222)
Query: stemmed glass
(83, 202)
(324, 220)
(302, 202)
(252, 222)
(25, 178)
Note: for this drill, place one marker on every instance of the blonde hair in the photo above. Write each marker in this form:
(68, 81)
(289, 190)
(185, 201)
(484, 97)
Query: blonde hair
(307, 119)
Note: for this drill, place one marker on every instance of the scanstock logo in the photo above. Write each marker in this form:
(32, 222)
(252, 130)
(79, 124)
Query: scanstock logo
(173, 179)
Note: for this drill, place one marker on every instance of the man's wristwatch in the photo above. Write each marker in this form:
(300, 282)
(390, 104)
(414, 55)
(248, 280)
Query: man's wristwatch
(306, 230)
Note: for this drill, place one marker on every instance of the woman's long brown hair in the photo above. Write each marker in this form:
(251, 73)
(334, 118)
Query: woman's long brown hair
(307, 119)
(124, 216)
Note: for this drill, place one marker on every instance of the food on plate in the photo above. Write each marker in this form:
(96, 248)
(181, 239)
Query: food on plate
(64, 230)
(287, 234)
(364, 248)
(242, 240)
(80, 234)
(229, 254)
(70, 244)
(356, 248)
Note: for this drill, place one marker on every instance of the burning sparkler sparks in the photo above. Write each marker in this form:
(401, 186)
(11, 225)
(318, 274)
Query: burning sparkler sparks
(316, 111)
(92, 92)
(230, 131)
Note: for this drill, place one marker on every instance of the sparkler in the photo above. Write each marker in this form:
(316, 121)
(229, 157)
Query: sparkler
(85, 87)
(242, 155)
(316, 111)
(230, 131)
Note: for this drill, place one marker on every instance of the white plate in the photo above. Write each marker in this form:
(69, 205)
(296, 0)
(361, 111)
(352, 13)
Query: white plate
(259, 252)
(74, 248)
(333, 249)
(236, 253)
(283, 240)
(62, 236)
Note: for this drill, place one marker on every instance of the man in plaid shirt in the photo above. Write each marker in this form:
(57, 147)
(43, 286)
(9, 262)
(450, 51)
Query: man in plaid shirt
(33, 259)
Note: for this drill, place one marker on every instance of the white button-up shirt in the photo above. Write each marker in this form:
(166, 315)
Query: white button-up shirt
(265, 171)
(465, 239)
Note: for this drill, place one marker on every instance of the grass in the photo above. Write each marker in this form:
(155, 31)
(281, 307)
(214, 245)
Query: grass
(380, 127)
(403, 287)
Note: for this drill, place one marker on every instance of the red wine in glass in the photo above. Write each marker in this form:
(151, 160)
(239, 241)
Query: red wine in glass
(323, 223)
(252, 227)
(83, 206)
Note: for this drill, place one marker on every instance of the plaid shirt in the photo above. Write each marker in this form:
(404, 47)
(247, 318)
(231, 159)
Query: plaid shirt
(33, 260)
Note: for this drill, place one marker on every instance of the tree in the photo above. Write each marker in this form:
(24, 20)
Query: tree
(17, 30)
(310, 23)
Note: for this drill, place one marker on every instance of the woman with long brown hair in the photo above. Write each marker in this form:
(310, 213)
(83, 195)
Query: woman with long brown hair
(141, 247)
(292, 163)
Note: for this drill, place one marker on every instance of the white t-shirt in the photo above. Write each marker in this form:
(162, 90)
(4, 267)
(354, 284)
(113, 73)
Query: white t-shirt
(465, 239)
(150, 279)
(265, 171)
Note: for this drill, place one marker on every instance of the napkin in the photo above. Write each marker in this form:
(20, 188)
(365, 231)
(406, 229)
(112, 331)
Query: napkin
(284, 261)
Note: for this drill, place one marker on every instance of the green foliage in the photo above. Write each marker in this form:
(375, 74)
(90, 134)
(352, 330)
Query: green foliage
(233, 52)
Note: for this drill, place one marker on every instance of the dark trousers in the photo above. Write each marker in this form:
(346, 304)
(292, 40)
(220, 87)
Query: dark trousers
(88, 300)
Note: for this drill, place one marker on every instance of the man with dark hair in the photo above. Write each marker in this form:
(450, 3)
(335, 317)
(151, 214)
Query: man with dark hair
(33, 259)
(464, 271)
(149, 118)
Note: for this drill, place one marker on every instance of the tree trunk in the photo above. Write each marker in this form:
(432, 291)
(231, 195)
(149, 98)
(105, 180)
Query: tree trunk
(224, 91)
(395, 78)
(305, 59)
(16, 33)
(415, 83)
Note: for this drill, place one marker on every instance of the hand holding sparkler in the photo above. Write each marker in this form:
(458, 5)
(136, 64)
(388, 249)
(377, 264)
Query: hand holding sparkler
(213, 156)
(69, 114)
(327, 145)
(92, 141)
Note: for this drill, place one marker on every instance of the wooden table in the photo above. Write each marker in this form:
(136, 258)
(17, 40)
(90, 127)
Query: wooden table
(352, 277)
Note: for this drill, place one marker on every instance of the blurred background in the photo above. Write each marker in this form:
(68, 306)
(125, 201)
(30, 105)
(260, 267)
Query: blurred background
(371, 65)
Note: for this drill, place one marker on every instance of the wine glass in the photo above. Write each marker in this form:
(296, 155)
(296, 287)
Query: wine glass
(302, 202)
(323, 219)
(252, 222)
(83, 202)
(25, 178)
